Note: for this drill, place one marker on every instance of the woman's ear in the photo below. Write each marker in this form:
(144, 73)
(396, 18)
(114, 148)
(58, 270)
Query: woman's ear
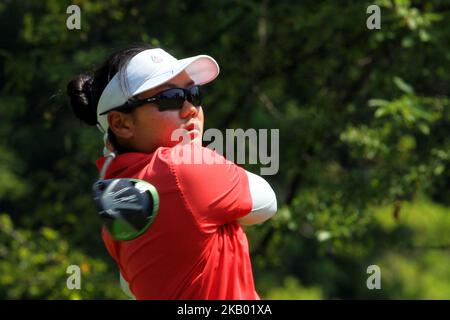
(121, 124)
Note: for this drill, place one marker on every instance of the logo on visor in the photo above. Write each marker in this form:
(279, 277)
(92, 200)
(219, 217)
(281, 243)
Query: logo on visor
(157, 59)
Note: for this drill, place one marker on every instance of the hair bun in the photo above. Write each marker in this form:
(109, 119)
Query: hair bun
(79, 90)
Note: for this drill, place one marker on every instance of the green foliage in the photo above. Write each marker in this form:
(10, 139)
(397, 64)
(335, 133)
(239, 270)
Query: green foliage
(363, 118)
(292, 290)
(411, 247)
(33, 265)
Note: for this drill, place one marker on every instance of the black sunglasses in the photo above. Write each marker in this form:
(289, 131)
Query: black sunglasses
(170, 99)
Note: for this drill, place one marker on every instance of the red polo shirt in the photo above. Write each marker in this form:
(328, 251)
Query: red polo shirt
(194, 249)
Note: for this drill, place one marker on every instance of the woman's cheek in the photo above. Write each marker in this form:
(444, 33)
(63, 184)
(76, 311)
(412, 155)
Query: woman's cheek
(169, 128)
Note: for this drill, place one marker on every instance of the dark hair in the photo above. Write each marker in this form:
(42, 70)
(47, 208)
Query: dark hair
(85, 90)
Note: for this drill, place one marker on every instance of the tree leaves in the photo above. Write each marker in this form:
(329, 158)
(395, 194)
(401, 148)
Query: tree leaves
(363, 118)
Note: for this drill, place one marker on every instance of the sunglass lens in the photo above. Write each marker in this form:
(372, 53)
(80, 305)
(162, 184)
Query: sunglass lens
(196, 96)
(171, 99)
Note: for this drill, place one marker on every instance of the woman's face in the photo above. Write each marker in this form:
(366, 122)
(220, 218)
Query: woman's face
(147, 128)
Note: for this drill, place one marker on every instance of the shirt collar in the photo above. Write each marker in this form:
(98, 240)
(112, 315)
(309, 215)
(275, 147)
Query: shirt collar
(121, 163)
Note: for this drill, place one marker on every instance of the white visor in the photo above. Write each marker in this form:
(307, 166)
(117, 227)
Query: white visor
(149, 69)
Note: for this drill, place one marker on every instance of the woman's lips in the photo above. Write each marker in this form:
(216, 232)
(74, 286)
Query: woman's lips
(191, 127)
(194, 133)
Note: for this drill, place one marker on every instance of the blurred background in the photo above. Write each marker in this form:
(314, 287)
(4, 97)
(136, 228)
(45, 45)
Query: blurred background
(364, 139)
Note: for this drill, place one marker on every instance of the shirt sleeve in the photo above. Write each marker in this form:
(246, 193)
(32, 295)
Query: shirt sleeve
(215, 190)
(264, 201)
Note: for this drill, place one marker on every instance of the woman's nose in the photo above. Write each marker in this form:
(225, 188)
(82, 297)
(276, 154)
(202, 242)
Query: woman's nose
(188, 110)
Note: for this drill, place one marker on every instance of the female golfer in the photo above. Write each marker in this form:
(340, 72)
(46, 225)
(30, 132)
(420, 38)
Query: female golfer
(196, 247)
